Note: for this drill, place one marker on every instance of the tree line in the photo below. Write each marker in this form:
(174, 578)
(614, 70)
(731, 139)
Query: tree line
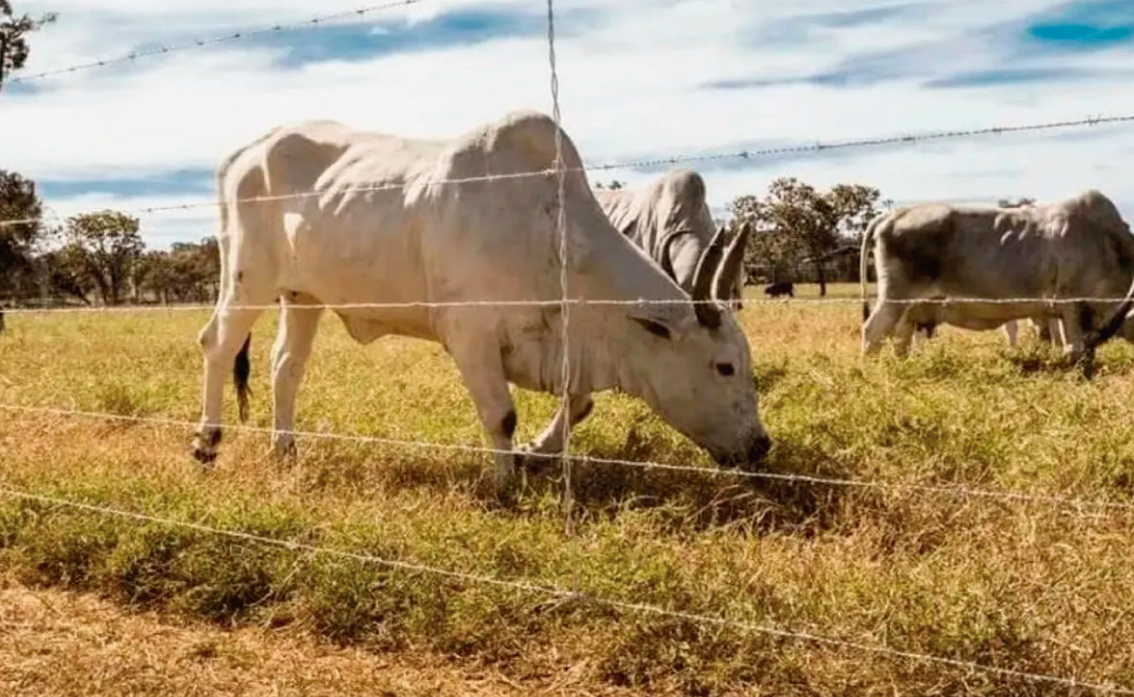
(96, 257)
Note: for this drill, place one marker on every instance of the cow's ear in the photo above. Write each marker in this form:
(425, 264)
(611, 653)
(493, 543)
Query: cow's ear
(654, 327)
(663, 321)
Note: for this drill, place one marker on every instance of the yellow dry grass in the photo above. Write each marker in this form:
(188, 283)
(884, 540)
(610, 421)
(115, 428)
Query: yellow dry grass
(60, 644)
(1026, 585)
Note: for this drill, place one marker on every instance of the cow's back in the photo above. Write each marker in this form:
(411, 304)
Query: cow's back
(625, 209)
(650, 215)
(949, 250)
(1076, 245)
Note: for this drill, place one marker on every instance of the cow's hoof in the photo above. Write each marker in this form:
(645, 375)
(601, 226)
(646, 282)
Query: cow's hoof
(205, 457)
(507, 489)
(284, 452)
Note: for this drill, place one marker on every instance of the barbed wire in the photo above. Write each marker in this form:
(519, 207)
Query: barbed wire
(561, 227)
(597, 302)
(559, 170)
(870, 142)
(555, 591)
(164, 50)
(630, 164)
(782, 477)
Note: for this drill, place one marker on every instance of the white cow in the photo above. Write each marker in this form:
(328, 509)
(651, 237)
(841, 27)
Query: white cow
(670, 219)
(1075, 248)
(388, 227)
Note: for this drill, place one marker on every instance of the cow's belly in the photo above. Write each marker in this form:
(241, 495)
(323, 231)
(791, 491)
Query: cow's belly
(370, 269)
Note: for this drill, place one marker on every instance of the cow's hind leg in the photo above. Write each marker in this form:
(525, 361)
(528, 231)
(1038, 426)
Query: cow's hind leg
(550, 441)
(298, 325)
(222, 338)
(903, 336)
(881, 323)
(1077, 321)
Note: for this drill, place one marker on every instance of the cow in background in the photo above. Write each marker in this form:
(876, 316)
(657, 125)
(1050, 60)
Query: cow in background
(670, 219)
(1075, 248)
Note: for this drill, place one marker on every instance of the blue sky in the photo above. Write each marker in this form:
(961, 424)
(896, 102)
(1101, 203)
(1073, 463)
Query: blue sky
(639, 79)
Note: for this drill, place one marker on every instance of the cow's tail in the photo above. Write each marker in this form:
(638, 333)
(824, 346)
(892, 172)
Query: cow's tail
(241, 370)
(1114, 322)
(864, 251)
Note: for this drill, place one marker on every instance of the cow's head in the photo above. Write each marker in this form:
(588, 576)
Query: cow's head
(694, 368)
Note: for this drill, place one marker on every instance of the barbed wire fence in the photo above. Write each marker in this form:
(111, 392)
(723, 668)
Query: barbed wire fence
(1082, 507)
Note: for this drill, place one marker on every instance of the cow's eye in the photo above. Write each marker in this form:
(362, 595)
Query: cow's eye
(725, 369)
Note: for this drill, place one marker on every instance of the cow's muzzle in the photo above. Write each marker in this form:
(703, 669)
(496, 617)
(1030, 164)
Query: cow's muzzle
(756, 453)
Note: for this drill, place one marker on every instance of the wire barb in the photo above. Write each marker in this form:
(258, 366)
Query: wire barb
(203, 42)
(639, 164)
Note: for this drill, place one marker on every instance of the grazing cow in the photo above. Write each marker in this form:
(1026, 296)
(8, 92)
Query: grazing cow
(775, 290)
(1075, 248)
(670, 219)
(388, 225)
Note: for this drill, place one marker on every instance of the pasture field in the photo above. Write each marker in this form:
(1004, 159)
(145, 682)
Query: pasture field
(1034, 586)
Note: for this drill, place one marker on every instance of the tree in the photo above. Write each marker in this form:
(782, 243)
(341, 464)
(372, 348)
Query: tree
(155, 273)
(63, 275)
(189, 272)
(769, 244)
(796, 219)
(101, 249)
(855, 205)
(18, 201)
(14, 47)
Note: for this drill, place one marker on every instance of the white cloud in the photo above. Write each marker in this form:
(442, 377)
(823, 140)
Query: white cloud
(628, 88)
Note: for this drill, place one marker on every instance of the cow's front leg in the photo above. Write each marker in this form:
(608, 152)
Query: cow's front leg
(550, 441)
(483, 373)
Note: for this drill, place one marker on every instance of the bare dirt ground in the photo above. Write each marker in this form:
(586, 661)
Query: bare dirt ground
(55, 643)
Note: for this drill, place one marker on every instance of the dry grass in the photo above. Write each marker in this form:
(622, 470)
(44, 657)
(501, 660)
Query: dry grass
(55, 644)
(1028, 586)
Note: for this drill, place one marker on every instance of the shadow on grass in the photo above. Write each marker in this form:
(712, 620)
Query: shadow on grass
(604, 486)
(683, 491)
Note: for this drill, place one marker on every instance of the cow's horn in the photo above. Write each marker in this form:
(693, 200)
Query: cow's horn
(730, 267)
(707, 313)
